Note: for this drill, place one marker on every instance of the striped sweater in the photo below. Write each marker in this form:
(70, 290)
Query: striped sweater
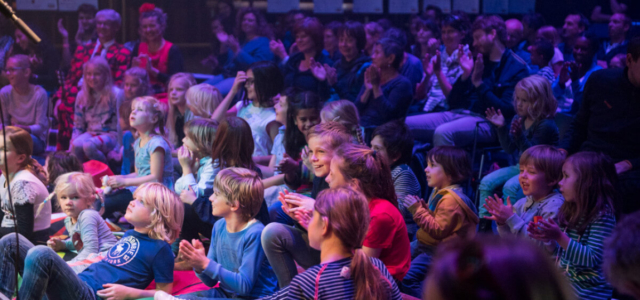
(332, 286)
(582, 261)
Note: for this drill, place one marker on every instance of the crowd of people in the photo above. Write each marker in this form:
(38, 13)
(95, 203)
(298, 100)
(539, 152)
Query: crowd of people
(296, 170)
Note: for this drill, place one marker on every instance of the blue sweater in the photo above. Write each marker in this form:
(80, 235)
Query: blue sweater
(396, 97)
(305, 80)
(238, 262)
(412, 69)
(252, 51)
(350, 75)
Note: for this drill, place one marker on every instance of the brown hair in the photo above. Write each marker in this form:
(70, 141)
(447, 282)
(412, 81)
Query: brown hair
(202, 133)
(143, 77)
(545, 158)
(539, 93)
(332, 132)
(594, 190)
(488, 23)
(167, 210)
(496, 268)
(22, 143)
(124, 111)
(369, 169)
(348, 218)
(61, 162)
(263, 28)
(454, 161)
(345, 113)
(314, 29)
(242, 187)
(189, 81)
(550, 34)
(233, 144)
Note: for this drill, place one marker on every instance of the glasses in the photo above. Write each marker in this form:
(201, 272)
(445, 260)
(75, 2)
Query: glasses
(249, 81)
(12, 70)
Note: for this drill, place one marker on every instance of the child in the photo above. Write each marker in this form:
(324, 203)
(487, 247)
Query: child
(263, 81)
(95, 131)
(178, 113)
(362, 169)
(394, 141)
(532, 125)
(585, 220)
(338, 229)
(236, 260)
(345, 113)
(88, 233)
(25, 105)
(28, 191)
(540, 172)
(128, 268)
(129, 134)
(448, 215)
(202, 101)
(541, 55)
(136, 83)
(152, 154)
(58, 163)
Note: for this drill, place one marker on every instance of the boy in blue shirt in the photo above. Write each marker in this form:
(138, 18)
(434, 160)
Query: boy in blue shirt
(142, 255)
(236, 259)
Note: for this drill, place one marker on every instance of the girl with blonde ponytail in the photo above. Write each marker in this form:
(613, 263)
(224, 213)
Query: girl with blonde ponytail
(345, 113)
(338, 228)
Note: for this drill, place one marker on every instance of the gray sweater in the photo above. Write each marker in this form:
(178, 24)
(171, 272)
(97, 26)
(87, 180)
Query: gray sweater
(27, 110)
(95, 237)
(526, 209)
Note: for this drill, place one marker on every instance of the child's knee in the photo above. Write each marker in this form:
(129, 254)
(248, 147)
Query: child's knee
(443, 135)
(271, 234)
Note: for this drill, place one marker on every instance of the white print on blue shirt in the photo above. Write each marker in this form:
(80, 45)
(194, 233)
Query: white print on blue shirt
(123, 252)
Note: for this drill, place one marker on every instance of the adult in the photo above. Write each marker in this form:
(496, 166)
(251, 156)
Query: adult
(443, 68)
(374, 32)
(386, 94)
(42, 56)
(108, 23)
(427, 39)
(569, 86)
(410, 66)
(85, 35)
(530, 25)
(249, 44)
(347, 74)
(331, 48)
(608, 121)
(515, 37)
(619, 25)
(433, 13)
(225, 12)
(574, 25)
(6, 41)
(550, 34)
(158, 56)
(489, 81)
(305, 69)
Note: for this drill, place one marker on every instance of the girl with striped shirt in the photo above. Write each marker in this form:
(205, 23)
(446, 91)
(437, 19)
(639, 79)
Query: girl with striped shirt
(585, 220)
(337, 228)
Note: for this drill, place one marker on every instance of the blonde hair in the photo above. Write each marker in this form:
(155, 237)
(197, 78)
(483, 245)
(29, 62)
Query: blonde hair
(143, 77)
(202, 99)
(156, 108)
(243, 187)
(332, 133)
(189, 81)
(539, 93)
(109, 90)
(345, 113)
(202, 133)
(167, 210)
(81, 183)
(22, 143)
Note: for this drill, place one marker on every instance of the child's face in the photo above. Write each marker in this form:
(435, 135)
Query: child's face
(177, 89)
(140, 116)
(568, 183)
(377, 144)
(138, 214)
(13, 159)
(436, 177)
(307, 118)
(281, 108)
(187, 142)
(317, 228)
(94, 78)
(533, 182)
(71, 203)
(250, 85)
(522, 104)
(336, 179)
(220, 204)
(16, 74)
(132, 87)
(320, 156)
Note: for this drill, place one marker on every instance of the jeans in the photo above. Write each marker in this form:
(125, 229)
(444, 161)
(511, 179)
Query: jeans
(43, 272)
(507, 176)
(276, 214)
(39, 146)
(285, 246)
(449, 128)
(421, 257)
(88, 146)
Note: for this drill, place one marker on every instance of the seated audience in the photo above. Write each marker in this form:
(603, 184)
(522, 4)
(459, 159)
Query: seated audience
(619, 61)
(410, 66)
(85, 35)
(373, 32)
(25, 105)
(550, 34)
(619, 25)
(542, 52)
(331, 39)
(43, 58)
(575, 24)
(530, 24)
(515, 37)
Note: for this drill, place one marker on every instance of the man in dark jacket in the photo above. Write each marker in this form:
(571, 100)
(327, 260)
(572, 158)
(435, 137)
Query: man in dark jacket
(489, 81)
(608, 121)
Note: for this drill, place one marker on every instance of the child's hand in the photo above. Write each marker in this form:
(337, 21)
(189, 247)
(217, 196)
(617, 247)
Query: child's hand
(499, 212)
(188, 196)
(535, 232)
(549, 229)
(288, 165)
(114, 291)
(305, 158)
(56, 244)
(410, 200)
(241, 78)
(298, 202)
(117, 181)
(303, 216)
(516, 127)
(193, 254)
(495, 117)
(185, 158)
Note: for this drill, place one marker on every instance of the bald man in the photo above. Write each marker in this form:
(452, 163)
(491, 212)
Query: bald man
(515, 36)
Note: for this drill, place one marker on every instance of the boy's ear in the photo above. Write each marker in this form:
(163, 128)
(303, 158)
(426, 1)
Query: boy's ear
(325, 226)
(233, 205)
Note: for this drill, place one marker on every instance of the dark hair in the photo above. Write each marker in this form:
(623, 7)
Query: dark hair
(488, 23)
(385, 24)
(634, 48)
(314, 29)
(437, 9)
(87, 9)
(268, 82)
(583, 20)
(294, 140)
(390, 46)
(355, 30)
(430, 25)
(545, 48)
(61, 162)
(534, 21)
(397, 35)
(156, 12)
(454, 161)
(262, 26)
(595, 190)
(398, 141)
(233, 144)
(334, 26)
(594, 45)
(459, 21)
(621, 252)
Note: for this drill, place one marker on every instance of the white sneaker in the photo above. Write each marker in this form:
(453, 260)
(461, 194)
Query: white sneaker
(161, 295)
